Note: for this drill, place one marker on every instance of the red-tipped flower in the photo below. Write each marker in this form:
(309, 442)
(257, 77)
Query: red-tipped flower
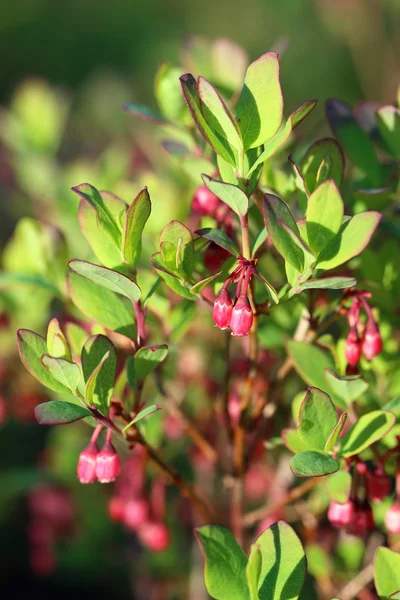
(341, 515)
(108, 464)
(86, 469)
(392, 518)
(136, 513)
(353, 347)
(204, 202)
(378, 484)
(242, 316)
(372, 341)
(222, 311)
(155, 536)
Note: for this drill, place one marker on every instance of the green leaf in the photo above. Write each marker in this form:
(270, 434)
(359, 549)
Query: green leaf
(200, 285)
(308, 256)
(177, 238)
(324, 215)
(232, 195)
(147, 358)
(57, 412)
(170, 279)
(105, 218)
(105, 250)
(353, 237)
(169, 93)
(65, 372)
(310, 362)
(258, 242)
(272, 294)
(353, 139)
(317, 419)
(386, 571)
(283, 134)
(326, 283)
(275, 210)
(319, 563)
(313, 464)
(333, 438)
(76, 336)
(225, 563)
(315, 156)
(283, 563)
(293, 441)
(394, 596)
(339, 486)
(101, 305)
(348, 388)
(135, 220)
(99, 365)
(107, 279)
(220, 238)
(369, 428)
(142, 414)
(388, 118)
(143, 112)
(217, 114)
(218, 143)
(260, 106)
(253, 571)
(31, 347)
(57, 344)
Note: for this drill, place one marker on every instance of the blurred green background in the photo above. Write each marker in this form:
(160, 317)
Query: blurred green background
(99, 54)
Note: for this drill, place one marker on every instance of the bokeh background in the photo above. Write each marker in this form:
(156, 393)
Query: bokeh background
(67, 67)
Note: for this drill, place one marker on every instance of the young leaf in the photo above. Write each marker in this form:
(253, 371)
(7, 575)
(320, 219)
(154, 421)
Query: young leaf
(333, 438)
(326, 283)
(317, 419)
(324, 215)
(388, 118)
(293, 441)
(135, 220)
(276, 210)
(170, 279)
(232, 195)
(386, 571)
(99, 365)
(283, 563)
(57, 344)
(219, 145)
(220, 238)
(348, 388)
(225, 563)
(65, 372)
(101, 305)
(107, 278)
(105, 218)
(353, 237)
(313, 464)
(283, 134)
(217, 114)
(147, 358)
(142, 414)
(57, 412)
(253, 571)
(313, 159)
(260, 239)
(369, 428)
(31, 347)
(260, 106)
(179, 239)
(200, 285)
(105, 250)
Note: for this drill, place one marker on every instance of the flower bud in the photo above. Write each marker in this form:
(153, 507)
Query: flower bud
(86, 469)
(392, 518)
(363, 520)
(116, 508)
(155, 536)
(204, 202)
(372, 341)
(222, 311)
(242, 316)
(378, 484)
(107, 464)
(341, 515)
(136, 513)
(353, 347)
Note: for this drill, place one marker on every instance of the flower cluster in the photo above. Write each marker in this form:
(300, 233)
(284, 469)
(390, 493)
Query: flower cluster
(364, 339)
(237, 314)
(103, 466)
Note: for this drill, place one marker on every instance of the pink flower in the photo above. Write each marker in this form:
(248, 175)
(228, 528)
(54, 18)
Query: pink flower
(341, 515)
(353, 347)
(242, 317)
(108, 464)
(155, 536)
(86, 469)
(392, 518)
(222, 311)
(204, 202)
(136, 513)
(372, 341)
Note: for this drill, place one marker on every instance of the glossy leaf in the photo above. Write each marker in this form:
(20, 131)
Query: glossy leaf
(135, 220)
(225, 563)
(142, 414)
(317, 419)
(101, 305)
(324, 215)
(57, 344)
(200, 285)
(147, 358)
(105, 218)
(107, 279)
(217, 114)
(170, 279)
(386, 571)
(65, 372)
(99, 365)
(283, 563)
(369, 428)
(327, 283)
(180, 242)
(31, 347)
(56, 412)
(220, 238)
(313, 464)
(353, 237)
(253, 571)
(259, 241)
(348, 388)
(232, 195)
(276, 210)
(315, 155)
(260, 106)
(333, 438)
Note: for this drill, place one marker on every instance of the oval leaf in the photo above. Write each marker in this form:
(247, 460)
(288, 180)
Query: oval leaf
(107, 278)
(57, 412)
(135, 220)
(232, 195)
(366, 431)
(313, 464)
